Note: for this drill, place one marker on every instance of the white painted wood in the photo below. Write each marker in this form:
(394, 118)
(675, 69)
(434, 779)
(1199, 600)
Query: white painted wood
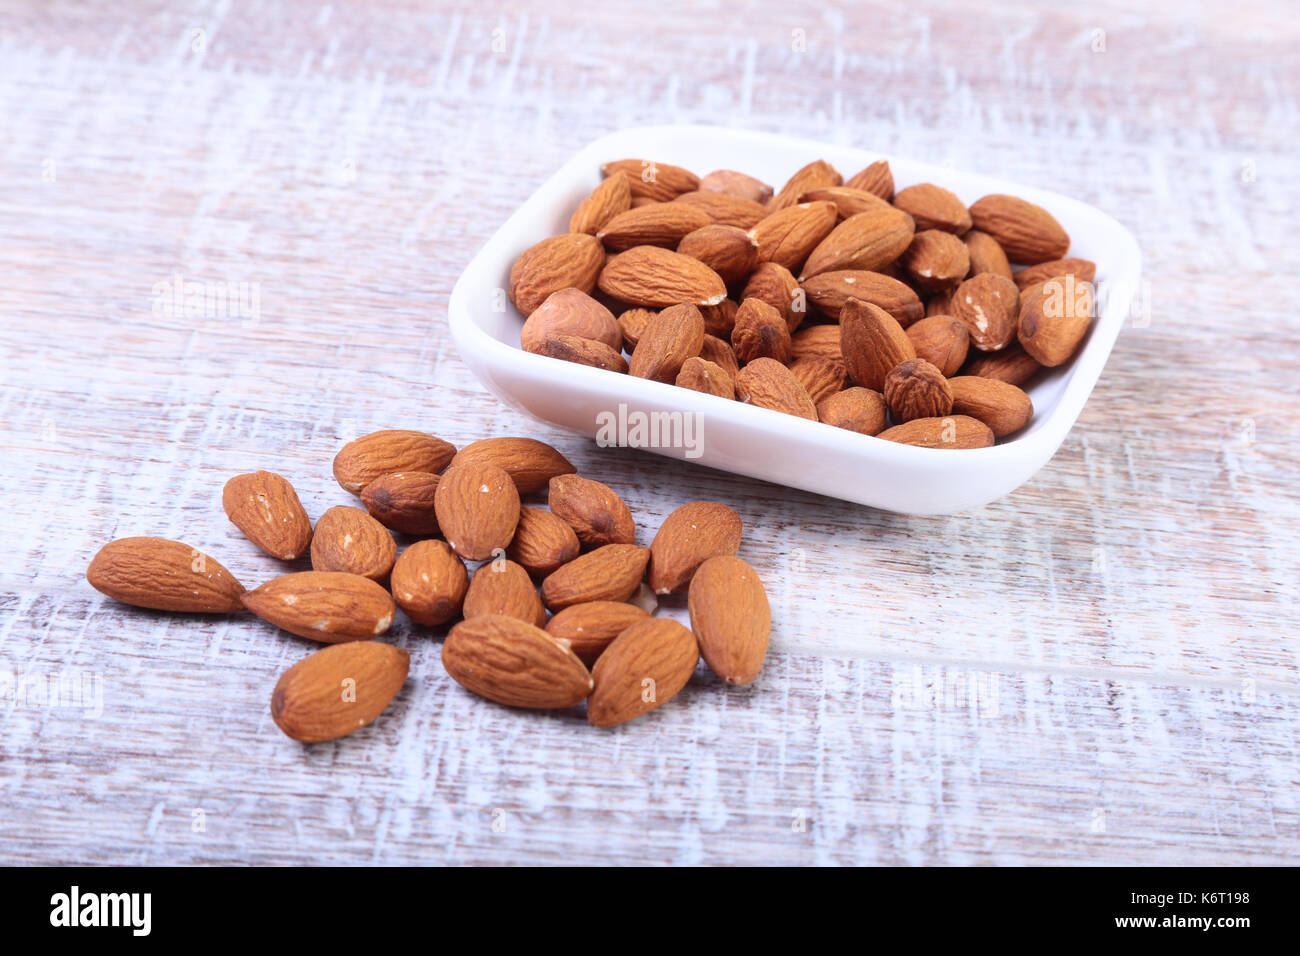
(1128, 618)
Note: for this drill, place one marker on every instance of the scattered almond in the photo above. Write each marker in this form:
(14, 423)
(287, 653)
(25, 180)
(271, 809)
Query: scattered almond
(587, 629)
(594, 510)
(429, 583)
(529, 462)
(348, 539)
(164, 575)
(514, 663)
(642, 668)
(543, 542)
(609, 573)
(504, 587)
(692, 534)
(403, 501)
(265, 507)
(385, 452)
(477, 505)
(731, 618)
(338, 690)
(327, 606)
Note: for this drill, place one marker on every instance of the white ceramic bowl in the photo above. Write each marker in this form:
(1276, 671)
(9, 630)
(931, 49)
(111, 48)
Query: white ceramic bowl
(753, 441)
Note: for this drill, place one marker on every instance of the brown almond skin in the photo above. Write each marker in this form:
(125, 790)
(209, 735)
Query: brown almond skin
(656, 278)
(951, 431)
(940, 303)
(264, 506)
(848, 201)
(529, 462)
(327, 606)
(689, 536)
(872, 342)
(543, 542)
(642, 668)
(609, 573)
(477, 505)
(1027, 232)
(514, 663)
(760, 332)
(1000, 405)
(700, 375)
(429, 583)
(403, 502)
(725, 210)
(817, 341)
(821, 378)
(675, 335)
(942, 341)
(664, 224)
(916, 389)
(338, 690)
(936, 260)
(830, 290)
(504, 587)
(348, 539)
(1012, 364)
(570, 348)
(816, 174)
(587, 629)
(877, 179)
(732, 183)
(768, 384)
(165, 576)
(1054, 318)
(720, 353)
(571, 261)
(594, 510)
(857, 409)
(731, 618)
(606, 201)
(651, 179)
(1083, 270)
(720, 319)
(934, 207)
(988, 305)
(632, 323)
(986, 255)
(868, 241)
(727, 250)
(384, 452)
(776, 285)
(789, 236)
(570, 312)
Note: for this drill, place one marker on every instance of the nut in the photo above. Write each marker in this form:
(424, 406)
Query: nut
(514, 663)
(642, 668)
(265, 507)
(731, 618)
(872, 342)
(163, 575)
(594, 510)
(327, 606)
(692, 534)
(338, 690)
(942, 341)
(1000, 405)
(503, 587)
(384, 452)
(429, 583)
(916, 389)
(348, 539)
(477, 505)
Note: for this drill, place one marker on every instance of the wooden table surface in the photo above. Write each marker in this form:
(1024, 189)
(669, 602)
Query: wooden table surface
(1114, 645)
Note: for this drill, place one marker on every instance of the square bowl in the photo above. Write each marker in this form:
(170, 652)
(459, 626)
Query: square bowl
(744, 439)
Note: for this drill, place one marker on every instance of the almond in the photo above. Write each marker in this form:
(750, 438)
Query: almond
(934, 207)
(1083, 270)
(663, 224)
(1028, 233)
(813, 176)
(570, 348)
(338, 690)
(265, 507)
(988, 305)
(632, 323)
(942, 341)
(848, 202)
(587, 629)
(760, 332)
(543, 542)
(385, 452)
(1054, 318)
(326, 606)
(503, 587)
(727, 250)
(916, 389)
(477, 505)
(692, 534)
(514, 663)
(1001, 406)
(595, 512)
(163, 575)
(830, 290)
(675, 335)
(732, 183)
(611, 197)
(655, 277)
(866, 241)
(429, 583)
(659, 181)
(985, 254)
(610, 573)
(940, 303)
(731, 618)
(936, 260)
(720, 353)
(857, 409)
(952, 431)
(571, 261)
(821, 378)
(529, 462)
(817, 341)
(777, 286)
(872, 342)
(708, 377)
(789, 236)
(725, 210)
(1012, 364)
(767, 383)
(570, 312)
(348, 539)
(876, 179)
(403, 502)
(642, 668)
(720, 319)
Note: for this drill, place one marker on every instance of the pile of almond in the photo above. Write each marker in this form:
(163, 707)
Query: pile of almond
(599, 643)
(895, 314)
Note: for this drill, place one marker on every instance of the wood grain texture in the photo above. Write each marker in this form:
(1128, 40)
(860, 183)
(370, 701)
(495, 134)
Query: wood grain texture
(1100, 668)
